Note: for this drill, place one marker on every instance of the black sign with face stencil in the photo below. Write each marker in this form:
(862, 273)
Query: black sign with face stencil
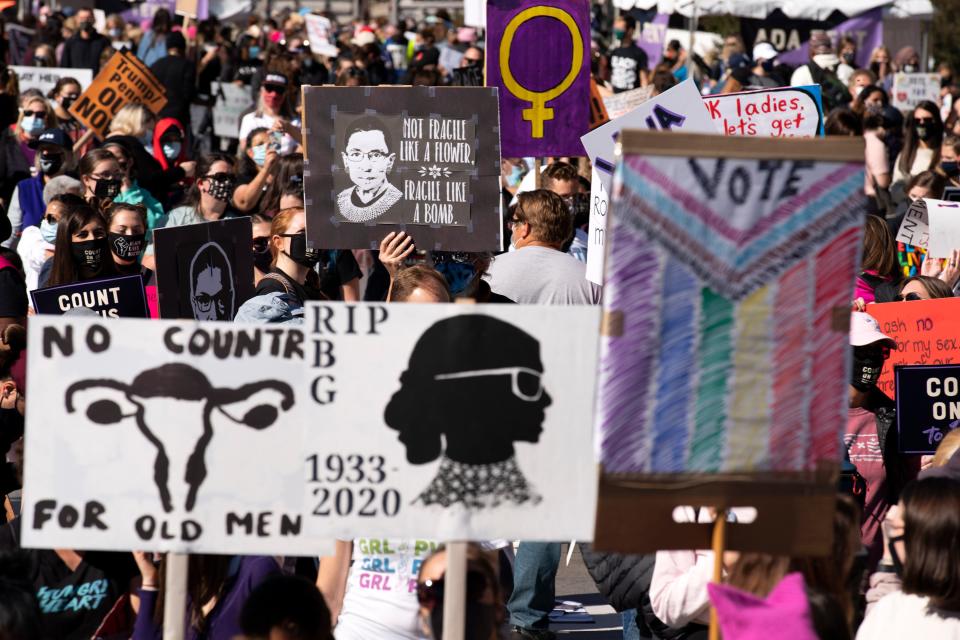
(928, 405)
(204, 271)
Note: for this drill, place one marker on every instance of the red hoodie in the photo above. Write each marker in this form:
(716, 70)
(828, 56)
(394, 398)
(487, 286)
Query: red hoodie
(158, 132)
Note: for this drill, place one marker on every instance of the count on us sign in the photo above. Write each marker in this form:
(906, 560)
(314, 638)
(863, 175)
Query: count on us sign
(928, 405)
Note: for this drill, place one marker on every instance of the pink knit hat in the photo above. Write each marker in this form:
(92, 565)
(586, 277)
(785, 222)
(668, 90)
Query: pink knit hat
(784, 614)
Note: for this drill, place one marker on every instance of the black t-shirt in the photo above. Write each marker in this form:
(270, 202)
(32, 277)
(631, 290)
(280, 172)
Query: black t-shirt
(74, 603)
(626, 63)
(336, 268)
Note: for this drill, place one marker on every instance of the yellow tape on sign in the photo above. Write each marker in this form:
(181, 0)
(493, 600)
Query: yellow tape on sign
(538, 111)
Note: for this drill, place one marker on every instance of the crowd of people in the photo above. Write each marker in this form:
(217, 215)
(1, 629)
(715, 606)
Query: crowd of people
(78, 208)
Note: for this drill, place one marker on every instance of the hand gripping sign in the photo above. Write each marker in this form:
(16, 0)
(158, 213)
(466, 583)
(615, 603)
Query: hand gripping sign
(539, 62)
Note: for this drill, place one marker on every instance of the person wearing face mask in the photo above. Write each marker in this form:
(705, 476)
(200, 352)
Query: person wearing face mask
(881, 66)
(950, 160)
(262, 258)
(257, 169)
(62, 96)
(81, 251)
(292, 260)
(870, 436)
(848, 58)
(37, 244)
(169, 149)
(908, 60)
(127, 238)
(54, 157)
(923, 135)
(209, 197)
(130, 190)
(628, 62)
(35, 117)
(84, 49)
(275, 112)
(764, 59)
(101, 178)
(153, 45)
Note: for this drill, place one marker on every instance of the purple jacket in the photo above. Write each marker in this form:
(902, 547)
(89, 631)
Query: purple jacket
(224, 620)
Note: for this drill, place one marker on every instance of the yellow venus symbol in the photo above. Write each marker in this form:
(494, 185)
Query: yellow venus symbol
(538, 111)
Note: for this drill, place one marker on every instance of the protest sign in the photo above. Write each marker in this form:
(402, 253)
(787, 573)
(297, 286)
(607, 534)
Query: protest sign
(928, 406)
(196, 9)
(785, 112)
(626, 101)
(679, 109)
(944, 220)
(121, 297)
(191, 445)
(538, 57)
(43, 79)
(745, 247)
(926, 332)
(910, 89)
(232, 103)
(122, 80)
(419, 159)
(205, 270)
(596, 233)
(471, 424)
(318, 34)
(915, 228)
(951, 194)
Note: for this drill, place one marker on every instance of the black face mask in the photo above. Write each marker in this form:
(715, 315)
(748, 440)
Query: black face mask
(221, 190)
(88, 27)
(128, 247)
(927, 132)
(89, 256)
(261, 255)
(50, 164)
(107, 188)
(67, 101)
(299, 252)
(867, 365)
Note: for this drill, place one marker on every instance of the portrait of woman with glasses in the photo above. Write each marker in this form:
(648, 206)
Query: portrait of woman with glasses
(467, 401)
(368, 160)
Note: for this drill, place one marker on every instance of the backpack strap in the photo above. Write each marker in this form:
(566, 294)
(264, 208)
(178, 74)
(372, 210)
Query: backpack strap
(282, 280)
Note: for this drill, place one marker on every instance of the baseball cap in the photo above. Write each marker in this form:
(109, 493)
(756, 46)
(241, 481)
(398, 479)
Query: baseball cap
(275, 79)
(425, 57)
(52, 136)
(764, 51)
(864, 330)
(738, 60)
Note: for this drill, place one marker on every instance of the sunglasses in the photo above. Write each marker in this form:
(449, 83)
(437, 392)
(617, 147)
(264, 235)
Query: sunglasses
(40, 114)
(51, 219)
(525, 383)
(923, 120)
(272, 88)
(909, 296)
(220, 177)
(430, 592)
(261, 245)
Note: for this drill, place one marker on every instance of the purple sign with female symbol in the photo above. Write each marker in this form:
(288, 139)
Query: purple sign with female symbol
(538, 56)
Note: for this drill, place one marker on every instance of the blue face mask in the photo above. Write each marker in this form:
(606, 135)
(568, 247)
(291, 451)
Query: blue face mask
(171, 150)
(32, 124)
(260, 154)
(48, 231)
(459, 275)
(253, 52)
(516, 175)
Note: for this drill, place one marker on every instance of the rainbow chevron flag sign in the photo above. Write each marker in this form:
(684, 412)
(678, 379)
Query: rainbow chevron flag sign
(727, 259)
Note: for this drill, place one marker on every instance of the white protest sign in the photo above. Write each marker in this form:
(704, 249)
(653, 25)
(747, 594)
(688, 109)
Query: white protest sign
(910, 89)
(786, 112)
(475, 13)
(944, 220)
(232, 103)
(318, 33)
(679, 109)
(596, 242)
(451, 422)
(915, 228)
(450, 58)
(45, 78)
(194, 444)
(621, 103)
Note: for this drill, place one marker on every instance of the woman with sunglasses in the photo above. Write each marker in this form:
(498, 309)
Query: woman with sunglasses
(923, 288)
(36, 116)
(127, 237)
(274, 112)
(37, 243)
(262, 258)
(922, 549)
(922, 137)
(130, 190)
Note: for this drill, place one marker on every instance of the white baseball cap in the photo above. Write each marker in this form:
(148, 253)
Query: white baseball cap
(764, 51)
(864, 330)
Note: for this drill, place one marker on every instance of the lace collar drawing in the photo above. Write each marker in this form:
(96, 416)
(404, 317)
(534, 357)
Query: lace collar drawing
(479, 486)
(353, 210)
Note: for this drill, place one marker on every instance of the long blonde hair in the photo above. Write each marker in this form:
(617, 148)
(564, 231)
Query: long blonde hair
(132, 120)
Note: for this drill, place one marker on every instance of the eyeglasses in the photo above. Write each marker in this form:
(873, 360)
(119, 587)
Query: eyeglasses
(373, 156)
(908, 297)
(40, 114)
(430, 592)
(525, 383)
(272, 88)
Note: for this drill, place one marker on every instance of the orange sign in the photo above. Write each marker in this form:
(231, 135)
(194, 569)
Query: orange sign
(123, 80)
(926, 331)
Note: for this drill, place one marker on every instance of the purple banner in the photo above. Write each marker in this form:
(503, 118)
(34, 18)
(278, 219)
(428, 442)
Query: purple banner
(538, 56)
(653, 36)
(790, 36)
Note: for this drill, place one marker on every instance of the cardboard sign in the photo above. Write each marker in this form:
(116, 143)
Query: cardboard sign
(318, 33)
(910, 89)
(679, 109)
(788, 112)
(121, 297)
(926, 332)
(538, 57)
(596, 234)
(626, 101)
(421, 159)
(44, 79)
(204, 271)
(915, 228)
(704, 369)
(928, 405)
(944, 220)
(472, 425)
(232, 103)
(165, 436)
(122, 80)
